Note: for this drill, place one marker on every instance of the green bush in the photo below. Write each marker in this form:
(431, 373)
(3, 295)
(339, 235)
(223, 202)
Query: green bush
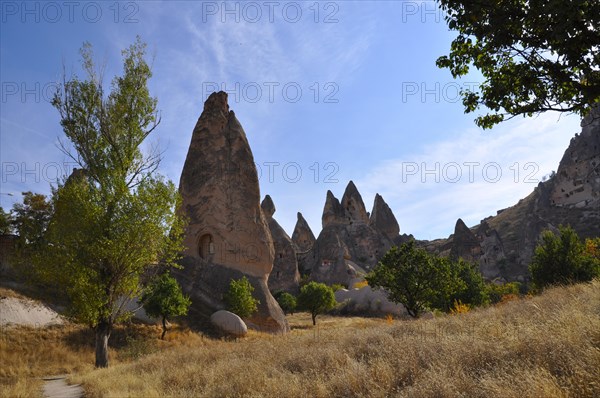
(495, 292)
(287, 302)
(239, 298)
(562, 259)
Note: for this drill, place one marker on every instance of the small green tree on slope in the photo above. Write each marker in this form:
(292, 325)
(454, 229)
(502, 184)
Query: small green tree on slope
(562, 259)
(115, 218)
(163, 298)
(238, 298)
(316, 298)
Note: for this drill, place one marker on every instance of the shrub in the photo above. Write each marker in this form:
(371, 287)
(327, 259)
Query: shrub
(563, 259)
(287, 302)
(316, 298)
(239, 298)
(496, 292)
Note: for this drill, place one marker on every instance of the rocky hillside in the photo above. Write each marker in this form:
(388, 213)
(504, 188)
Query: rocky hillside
(504, 244)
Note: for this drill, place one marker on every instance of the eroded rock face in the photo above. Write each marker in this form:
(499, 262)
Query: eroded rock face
(227, 235)
(383, 219)
(571, 196)
(350, 243)
(303, 236)
(465, 244)
(285, 275)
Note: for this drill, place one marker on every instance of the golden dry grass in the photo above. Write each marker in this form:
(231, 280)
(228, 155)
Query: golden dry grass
(545, 346)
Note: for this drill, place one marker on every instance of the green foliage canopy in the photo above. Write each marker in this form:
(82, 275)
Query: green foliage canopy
(534, 56)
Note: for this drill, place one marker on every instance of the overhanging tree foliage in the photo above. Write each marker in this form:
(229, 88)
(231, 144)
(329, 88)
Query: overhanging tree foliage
(115, 218)
(534, 56)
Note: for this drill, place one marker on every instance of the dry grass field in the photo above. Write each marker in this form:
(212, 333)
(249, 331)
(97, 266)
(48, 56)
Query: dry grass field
(543, 346)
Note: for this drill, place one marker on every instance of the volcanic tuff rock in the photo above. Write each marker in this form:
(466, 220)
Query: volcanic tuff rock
(464, 243)
(303, 236)
(350, 242)
(382, 218)
(285, 275)
(227, 236)
(304, 241)
(571, 196)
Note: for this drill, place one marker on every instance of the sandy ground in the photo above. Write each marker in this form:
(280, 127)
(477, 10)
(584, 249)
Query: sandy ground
(17, 311)
(57, 387)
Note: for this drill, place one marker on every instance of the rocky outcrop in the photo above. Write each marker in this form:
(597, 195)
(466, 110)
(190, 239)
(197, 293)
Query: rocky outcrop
(383, 220)
(285, 275)
(303, 236)
(465, 244)
(571, 196)
(351, 242)
(227, 236)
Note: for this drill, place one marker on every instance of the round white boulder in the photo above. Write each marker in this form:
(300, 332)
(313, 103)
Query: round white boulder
(229, 323)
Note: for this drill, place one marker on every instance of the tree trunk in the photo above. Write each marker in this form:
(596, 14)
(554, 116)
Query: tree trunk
(314, 319)
(103, 330)
(164, 325)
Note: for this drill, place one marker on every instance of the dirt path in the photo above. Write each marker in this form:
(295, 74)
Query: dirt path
(57, 387)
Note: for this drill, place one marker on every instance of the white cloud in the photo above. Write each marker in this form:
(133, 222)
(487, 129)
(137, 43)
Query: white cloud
(459, 178)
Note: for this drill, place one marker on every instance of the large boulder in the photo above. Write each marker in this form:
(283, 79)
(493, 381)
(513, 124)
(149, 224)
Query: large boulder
(227, 236)
(285, 275)
(229, 323)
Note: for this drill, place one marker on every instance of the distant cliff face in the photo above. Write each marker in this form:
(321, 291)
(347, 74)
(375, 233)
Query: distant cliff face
(503, 245)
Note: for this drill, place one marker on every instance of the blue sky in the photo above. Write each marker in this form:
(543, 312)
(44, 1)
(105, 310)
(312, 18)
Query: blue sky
(327, 92)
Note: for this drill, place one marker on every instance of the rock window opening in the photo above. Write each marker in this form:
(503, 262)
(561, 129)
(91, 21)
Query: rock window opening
(206, 246)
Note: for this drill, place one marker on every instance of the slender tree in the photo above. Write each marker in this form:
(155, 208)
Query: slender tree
(163, 298)
(115, 217)
(316, 298)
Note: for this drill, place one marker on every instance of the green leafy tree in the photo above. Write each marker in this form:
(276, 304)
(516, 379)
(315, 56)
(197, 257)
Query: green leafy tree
(163, 298)
(413, 277)
(474, 291)
(30, 219)
(534, 56)
(316, 298)
(115, 218)
(408, 275)
(287, 302)
(238, 298)
(562, 259)
(6, 222)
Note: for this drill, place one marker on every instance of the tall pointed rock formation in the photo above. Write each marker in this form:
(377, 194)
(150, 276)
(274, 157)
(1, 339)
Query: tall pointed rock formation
(383, 220)
(285, 275)
(353, 205)
(227, 236)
